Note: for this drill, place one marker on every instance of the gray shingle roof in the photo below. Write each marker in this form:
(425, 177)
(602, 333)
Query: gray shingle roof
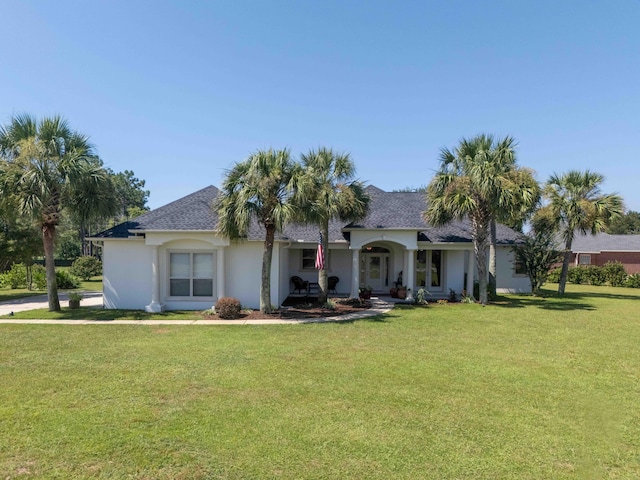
(605, 242)
(193, 212)
(391, 210)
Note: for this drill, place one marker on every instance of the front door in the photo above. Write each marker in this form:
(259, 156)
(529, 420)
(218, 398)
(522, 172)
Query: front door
(373, 271)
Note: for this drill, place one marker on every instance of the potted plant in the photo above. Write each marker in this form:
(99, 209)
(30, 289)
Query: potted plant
(74, 299)
(402, 292)
(365, 292)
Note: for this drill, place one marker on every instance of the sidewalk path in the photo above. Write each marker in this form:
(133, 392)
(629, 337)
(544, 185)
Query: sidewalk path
(378, 307)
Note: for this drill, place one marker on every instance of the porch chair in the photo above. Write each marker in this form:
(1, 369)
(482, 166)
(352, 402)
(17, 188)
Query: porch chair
(332, 283)
(299, 285)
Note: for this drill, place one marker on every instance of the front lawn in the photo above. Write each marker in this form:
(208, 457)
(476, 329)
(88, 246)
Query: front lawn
(529, 388)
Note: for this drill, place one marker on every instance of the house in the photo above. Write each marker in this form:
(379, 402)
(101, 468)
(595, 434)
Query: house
(602, 248)
(171, 258)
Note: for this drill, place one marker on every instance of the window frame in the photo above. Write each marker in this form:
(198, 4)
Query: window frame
(586, 256)
(192, 277)
(312, 258)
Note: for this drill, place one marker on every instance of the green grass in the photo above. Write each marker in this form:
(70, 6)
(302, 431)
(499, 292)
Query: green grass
(530, 388)
(98, 313)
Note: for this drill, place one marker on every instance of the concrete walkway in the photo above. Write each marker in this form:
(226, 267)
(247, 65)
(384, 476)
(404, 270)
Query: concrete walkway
(95, 299)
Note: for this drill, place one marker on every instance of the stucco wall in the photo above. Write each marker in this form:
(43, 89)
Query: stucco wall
(508, 281)
(127, 274)
(339, 266)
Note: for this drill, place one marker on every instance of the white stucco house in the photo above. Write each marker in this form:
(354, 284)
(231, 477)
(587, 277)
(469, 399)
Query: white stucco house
(171, 258)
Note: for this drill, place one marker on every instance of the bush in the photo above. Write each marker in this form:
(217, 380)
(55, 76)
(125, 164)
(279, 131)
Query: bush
(615, 274)
(15, 277)
(554, 275)
(228, 308)
(66, 280)
(633, 281)
(595, 275)
(38, 277)
(86, 267)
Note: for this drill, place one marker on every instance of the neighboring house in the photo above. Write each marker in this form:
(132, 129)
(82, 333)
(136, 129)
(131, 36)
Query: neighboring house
(602, 248)
(172, 258)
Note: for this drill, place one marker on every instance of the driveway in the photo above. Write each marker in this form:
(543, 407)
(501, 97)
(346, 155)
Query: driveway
(40, 301)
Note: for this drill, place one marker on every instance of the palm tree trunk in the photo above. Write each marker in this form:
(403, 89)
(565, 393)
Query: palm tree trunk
(265, 285)
(492, 260)
(480, 246)
(48, 238)
(564, 273)
(322, 274)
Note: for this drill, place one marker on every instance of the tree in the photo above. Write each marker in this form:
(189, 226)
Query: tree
(261, 188)
(575, 204)
(515, 197)
(329, 191)
(132, 198)
(463, 187)
(537, 252)
(627, 224)
(50, 167)
(482, 181)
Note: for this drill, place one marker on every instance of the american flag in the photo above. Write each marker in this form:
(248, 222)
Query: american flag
(320, 256)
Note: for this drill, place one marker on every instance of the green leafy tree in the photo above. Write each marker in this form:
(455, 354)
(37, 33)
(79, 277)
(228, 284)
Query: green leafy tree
(328, 191)
(627, 224)
(574, 203)
(259, 188)
(537, 252)
(130, 193)
(50, 167)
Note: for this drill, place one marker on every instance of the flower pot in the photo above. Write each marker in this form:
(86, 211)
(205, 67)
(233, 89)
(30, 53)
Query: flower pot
(402, 293)
(393, 292)
(365, 295)
(74, 304)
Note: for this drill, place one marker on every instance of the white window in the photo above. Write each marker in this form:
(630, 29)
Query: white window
(308, 259)
(585, 259)
(520, 268)
(191, 274)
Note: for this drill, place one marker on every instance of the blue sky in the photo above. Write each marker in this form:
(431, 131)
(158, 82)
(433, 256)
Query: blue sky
(179, 91)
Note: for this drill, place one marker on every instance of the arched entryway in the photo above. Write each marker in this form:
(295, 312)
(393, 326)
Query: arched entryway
(376, 268)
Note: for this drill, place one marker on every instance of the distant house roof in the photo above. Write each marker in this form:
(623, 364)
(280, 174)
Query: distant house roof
(603, 242)
(388, 210)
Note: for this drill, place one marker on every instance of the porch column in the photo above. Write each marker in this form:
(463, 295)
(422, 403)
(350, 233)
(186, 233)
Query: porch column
(220, 272)
(470, 272)
(355, 273)
(155, 306)
(410, 274)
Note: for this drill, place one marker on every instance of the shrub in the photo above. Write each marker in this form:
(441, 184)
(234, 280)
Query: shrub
(554, 275)
(15, 277)
(595, 275)
(633, 281)
(66, 280)
(86, 267)
(421, 296)
(38, 277)
(615, 274)
(228, 308)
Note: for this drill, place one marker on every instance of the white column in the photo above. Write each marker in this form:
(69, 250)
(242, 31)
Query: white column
(155, 306)
(220, 272)
(355, 273)
(410, 274)
(470, 272)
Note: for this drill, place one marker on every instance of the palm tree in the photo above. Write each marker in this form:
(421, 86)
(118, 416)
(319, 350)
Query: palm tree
(259, 188)
(575, 204)
(515, 197)
(329, 191)
(50, 167)
(465, 186)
